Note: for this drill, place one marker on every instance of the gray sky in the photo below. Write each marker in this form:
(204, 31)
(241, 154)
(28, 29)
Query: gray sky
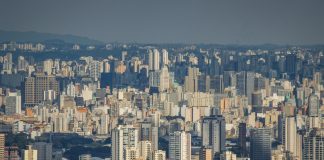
(172, 21)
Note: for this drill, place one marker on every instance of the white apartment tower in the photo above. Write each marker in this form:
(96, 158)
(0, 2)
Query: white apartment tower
(124, 137)
(180, 146)
(154, 60)
(165, 57)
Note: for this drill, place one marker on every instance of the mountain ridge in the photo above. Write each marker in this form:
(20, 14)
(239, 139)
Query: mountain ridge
(33, 36)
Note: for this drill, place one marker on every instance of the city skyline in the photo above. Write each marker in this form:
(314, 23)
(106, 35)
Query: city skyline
(161, 80)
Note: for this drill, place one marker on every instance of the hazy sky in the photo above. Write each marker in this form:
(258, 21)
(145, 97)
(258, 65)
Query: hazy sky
(171, 21)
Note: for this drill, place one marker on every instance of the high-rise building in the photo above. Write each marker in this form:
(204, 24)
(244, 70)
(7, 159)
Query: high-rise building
(217, 83)
(29, 154)
(242, 138)
(214, 133)
(256, 99)
(203, 83)
(241, 83)
(291, 64)
(7, 64)
(314, 145)
(148, 132)
(215, 66)
(154, 60)
(159, 155)
(165, 57)
(206, 153)
(180, 145)
(117, 144)
(131, 153)
(13, 103)
(260, 144)
(44, 150)
(229, 79)
(160, 79)
(123, 55)
(191, 80)
(245, 84)
(313, 105)
(281, 128)
(22, 64)
(164, 79)
(94, 69)
(2, 145)
(35, 87)
(145, 149)
(48, 66)
(290, 135)
(249, 86)
(317, 78)
(124, 136)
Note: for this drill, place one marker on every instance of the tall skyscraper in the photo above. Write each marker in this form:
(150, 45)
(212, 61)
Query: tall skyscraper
(180, 145)
(164, 79)
(117, 144)
(191, 80)
(48, 66)
(260, 142)
(229, 79)
(35, 87)
(148, 132)
(7, 64)
(290, 135)
(256, 99)
(13, 103)
(22, 64)
(241, 83)
(217, 83)
(281, 128)
(44, 150)
(160, 79)
(94, 69)
(214, 133)
(124, 136)
(165, 57)
(242, 138)
(154, 60)
(314, 145)
(2, 145)
(123, 55)
(313, 105)
(215, 66)
(245, 84)
(249, 86)
(291, 64)
(203, 83)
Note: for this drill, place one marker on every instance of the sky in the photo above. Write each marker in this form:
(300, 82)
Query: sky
(171, 21)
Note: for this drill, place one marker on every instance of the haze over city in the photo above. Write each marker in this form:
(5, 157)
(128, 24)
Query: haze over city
(161, 80)
(168, 21)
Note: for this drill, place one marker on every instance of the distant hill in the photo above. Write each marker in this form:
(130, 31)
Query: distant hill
(32, 36)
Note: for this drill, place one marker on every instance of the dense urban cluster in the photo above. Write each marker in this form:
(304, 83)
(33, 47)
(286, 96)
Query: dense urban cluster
(158, 102)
